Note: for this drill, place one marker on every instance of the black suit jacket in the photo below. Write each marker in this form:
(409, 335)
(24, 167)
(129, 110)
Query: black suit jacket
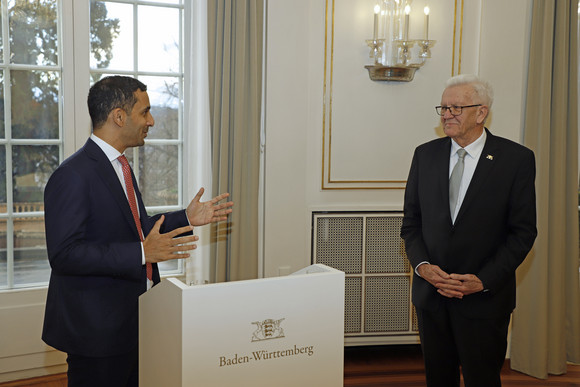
(494, 229)
(96, 258)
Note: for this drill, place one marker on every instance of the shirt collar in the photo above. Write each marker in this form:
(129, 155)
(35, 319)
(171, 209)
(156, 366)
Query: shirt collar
(474, 149)
(108, 149)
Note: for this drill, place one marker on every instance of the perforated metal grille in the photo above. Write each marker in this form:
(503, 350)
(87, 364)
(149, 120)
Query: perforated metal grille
(387, 304)
(353, 305)
(367, 246)
(339, 243)
(385, 250)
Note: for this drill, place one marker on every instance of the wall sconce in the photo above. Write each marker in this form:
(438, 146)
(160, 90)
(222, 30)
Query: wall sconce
(396, 57)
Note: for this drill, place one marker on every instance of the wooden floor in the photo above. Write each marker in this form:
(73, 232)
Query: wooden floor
(393, 366)
(46, 381)
(402, 366)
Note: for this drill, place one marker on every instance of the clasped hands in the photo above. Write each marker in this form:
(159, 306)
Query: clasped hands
(450, 285)
(163, 247)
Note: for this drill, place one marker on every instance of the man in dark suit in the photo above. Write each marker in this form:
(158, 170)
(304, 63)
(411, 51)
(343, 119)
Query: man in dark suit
(102, 246)
(465, 253)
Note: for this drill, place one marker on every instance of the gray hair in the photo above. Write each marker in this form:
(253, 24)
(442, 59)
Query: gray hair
(482, 89)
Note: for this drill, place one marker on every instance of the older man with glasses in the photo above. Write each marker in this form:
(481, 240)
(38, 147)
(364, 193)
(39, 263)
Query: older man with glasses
(469, 222)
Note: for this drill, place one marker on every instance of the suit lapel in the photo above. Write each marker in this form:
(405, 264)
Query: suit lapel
(441, 166)
(484, 166)
(107, 173)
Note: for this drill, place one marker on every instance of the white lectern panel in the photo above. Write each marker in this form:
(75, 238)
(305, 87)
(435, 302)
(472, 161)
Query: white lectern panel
(282, 331)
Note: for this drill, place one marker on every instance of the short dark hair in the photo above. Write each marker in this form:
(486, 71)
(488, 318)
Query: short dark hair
(111, 93)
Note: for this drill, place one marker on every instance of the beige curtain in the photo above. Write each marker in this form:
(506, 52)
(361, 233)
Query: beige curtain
(235, 33)
(546, 321)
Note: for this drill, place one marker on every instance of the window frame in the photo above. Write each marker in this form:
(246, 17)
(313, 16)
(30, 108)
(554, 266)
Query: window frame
(8, 142)
(73, 64)
(180, 141)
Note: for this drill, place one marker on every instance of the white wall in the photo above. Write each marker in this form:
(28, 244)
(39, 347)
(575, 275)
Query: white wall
(375, 126)
(22, 353)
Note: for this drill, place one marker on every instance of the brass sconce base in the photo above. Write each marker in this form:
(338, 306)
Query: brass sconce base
(391, 73)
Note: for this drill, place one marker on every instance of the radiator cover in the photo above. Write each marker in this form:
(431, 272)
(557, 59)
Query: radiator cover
(367, 246)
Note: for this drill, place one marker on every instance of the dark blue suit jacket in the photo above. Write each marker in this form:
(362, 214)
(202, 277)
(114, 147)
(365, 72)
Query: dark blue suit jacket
(494, 229)
(95, 255)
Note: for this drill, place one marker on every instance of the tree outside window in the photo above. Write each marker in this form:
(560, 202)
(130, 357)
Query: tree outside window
(31, 139)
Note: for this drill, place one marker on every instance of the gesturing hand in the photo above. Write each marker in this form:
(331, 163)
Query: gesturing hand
(202, 213)
(163, 247)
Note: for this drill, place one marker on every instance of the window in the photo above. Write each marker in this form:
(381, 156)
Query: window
(30, 134)
(127, 37)
(147, 45)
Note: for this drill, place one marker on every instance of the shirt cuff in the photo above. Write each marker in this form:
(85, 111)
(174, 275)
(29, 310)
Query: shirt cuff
(422, 263)
(142, 254)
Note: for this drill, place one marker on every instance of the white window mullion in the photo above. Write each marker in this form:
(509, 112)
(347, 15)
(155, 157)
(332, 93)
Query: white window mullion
(76, 75)
(8, 148)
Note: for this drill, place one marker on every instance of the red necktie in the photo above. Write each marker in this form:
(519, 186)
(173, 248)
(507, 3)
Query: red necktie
(133, 205)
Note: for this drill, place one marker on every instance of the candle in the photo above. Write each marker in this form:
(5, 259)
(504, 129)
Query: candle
(426, 10)
(407, 12)
(383, 19)
(376, 22)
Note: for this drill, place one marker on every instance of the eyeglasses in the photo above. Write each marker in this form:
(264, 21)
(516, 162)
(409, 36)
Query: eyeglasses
(454, 110)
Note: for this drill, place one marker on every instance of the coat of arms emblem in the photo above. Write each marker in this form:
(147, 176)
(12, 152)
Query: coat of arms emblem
(268, 329)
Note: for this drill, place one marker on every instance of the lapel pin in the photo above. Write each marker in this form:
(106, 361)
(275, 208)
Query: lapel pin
(489, 157)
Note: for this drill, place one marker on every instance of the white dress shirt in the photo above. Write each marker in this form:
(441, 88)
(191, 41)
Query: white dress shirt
(470, 162)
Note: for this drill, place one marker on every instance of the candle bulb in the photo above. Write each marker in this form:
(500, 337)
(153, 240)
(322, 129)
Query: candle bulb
(383, 17)
(407, 12)
(426, 10)
(377, 9)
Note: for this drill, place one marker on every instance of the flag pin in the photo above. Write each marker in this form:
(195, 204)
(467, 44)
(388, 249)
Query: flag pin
(489, 157)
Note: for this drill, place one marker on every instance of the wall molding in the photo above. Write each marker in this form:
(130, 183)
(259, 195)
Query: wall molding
(329, 181)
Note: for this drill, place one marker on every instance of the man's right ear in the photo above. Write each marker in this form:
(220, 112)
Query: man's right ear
(118, 116)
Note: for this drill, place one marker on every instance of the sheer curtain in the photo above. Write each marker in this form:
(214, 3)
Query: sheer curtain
(197, 163)
(235, 32)
(546, 321)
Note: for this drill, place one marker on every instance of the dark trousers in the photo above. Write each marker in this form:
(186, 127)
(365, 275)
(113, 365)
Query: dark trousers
(451, 342)
(114, 371)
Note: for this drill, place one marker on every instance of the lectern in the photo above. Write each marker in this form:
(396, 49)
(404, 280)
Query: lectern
(281, 331)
